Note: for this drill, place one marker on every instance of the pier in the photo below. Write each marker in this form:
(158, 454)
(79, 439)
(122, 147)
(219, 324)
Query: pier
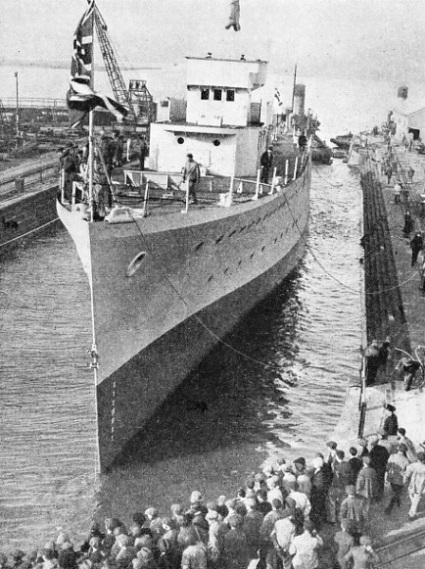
(394, 306)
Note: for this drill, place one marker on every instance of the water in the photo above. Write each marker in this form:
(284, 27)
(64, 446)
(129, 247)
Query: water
(309, 330)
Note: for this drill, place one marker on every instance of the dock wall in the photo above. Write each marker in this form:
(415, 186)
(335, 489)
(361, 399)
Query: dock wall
(27, 213)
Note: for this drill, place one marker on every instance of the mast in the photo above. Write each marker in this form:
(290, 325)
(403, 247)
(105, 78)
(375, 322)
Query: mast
(293, 90)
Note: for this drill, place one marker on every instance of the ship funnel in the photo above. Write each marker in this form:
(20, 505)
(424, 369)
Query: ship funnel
(299, 100)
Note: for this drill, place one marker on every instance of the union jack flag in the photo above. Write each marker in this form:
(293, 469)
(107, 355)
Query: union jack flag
(81, 96)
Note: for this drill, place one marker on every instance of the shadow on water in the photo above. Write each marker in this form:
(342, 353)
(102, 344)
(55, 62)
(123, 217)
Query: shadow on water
(234, 394)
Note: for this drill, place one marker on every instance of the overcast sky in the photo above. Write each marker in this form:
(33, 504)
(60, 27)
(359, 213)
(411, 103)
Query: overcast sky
(380, 39)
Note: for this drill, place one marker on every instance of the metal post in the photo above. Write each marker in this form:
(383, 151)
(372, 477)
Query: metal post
(257, 185)
(273, 181)
(17, 106)
(295, 168)
(286, 171)
(62, 183)
(186, 209)
(145, 202)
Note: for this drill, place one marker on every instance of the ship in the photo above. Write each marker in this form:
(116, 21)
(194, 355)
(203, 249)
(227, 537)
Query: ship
(169, 280)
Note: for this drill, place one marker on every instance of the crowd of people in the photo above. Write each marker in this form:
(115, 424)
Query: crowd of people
(293, 515)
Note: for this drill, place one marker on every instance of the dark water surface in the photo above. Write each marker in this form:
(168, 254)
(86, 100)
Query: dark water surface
(230, 416)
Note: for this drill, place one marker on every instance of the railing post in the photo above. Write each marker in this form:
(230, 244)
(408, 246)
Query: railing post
(230, 198)
(74, 193)
(186, 209)
(62, 186)
(286, 172)
(257, 185)
(273, 181)
(145, 202)
(295, 168)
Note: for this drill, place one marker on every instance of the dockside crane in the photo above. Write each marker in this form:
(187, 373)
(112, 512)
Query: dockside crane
(137, 97)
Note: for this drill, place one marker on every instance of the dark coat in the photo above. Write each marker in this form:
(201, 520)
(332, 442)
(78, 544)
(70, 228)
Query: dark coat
(266, 159)
(391, 425)
(356, 465)
(378, 459)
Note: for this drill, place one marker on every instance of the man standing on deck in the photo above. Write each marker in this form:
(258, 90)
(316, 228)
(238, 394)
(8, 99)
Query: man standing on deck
(192, 174)
(266, 162)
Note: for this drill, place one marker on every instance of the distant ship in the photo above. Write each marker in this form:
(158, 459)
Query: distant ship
(168, 281)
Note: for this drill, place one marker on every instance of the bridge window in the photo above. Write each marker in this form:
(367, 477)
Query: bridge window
(205, 94)
(217, 94)
(230, 95)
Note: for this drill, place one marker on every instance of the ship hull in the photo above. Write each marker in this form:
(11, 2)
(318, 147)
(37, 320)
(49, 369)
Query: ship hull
(130, 396)
(199, 275)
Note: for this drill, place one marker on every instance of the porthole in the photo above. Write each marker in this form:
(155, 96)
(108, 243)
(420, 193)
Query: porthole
(180, 140)
(135, 264)
(216, 142)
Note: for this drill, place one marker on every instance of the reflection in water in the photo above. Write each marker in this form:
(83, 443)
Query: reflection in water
(230, 415)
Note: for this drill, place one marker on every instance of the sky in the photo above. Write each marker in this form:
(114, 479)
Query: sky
(373, 39)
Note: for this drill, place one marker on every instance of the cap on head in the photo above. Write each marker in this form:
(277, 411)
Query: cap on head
(190, 155)
(332, 445)
(390, 408)
(421, 456)
(402, 431)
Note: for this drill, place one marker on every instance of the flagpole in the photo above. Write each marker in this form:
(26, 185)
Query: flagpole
(91, 125)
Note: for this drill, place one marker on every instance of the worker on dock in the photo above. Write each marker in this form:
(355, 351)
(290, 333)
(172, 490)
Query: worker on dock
(143, 152)
(416, 245)
(409, 224)
(397, 192)
(410, 174)
(389, 173)
(372, 362)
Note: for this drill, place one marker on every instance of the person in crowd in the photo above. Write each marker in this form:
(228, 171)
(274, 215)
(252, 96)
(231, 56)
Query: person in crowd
(192, 174)
(305, 548)
(384, 353)
(409, 366)
(352, 511)
(342, 477)
(282, 536)
(267, 552)
(389, 173)
(251, 526)
(263, 505)
(414, 477)
(67, 557)
(216, 533)
(411, 450)
(169, 549)
(301, 500)
(49, 559)
(396, 467)
(378, 456)
(319, 491)
(187, 533)
(266, 162)
(366, 483)
(235, 548)
(274, 492)
(154, 522)
(391, 422)
(68, 164)
(126, 552)
(409, 224)
(303, 478)
(194, 556)
(355, 463)
(361, 554)
(397, 191)
(416, 244)
(344, 542)
(410, 174)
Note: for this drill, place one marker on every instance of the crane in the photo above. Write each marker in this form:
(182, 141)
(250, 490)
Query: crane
(137, 98)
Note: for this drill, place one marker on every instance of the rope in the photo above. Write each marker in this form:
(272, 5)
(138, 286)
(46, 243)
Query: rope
(28, 232)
